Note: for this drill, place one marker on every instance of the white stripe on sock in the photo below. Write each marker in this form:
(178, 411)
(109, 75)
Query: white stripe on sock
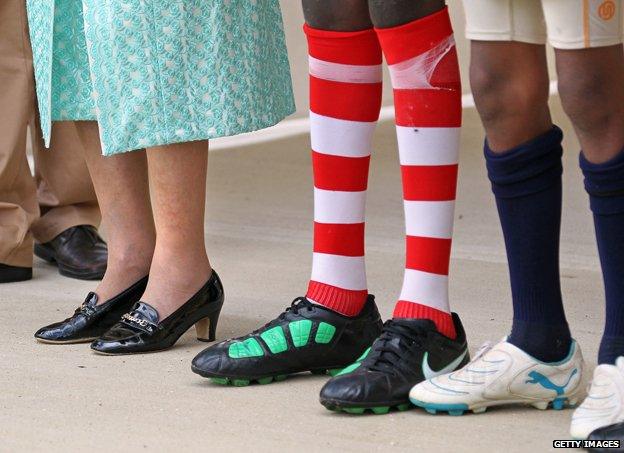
(432, 219)
(341, 137)
(428, 145)
(425, 289)
(348, 73)
(332, 206)
(347, 272)
(416, 72)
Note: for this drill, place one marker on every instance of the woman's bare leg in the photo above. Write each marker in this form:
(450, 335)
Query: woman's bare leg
(180, 266)
(122, 190)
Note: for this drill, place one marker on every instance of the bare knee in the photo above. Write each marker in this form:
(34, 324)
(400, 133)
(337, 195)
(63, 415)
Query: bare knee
(392, 13)
(501, 94)
(337, 15)
(511, 94)
(591, 87)
(585, 97)
(588, 100)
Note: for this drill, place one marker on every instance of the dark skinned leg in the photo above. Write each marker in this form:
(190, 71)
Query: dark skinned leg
(414, 36)
(591, 85)
(509, 81)
(510, 85)
(337, 15)
(392, 13)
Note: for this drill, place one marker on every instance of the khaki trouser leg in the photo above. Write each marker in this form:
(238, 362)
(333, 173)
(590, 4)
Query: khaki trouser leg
(18, 202)
(64, 187)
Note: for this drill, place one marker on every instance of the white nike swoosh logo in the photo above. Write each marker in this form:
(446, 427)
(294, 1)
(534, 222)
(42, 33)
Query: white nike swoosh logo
(429, 373)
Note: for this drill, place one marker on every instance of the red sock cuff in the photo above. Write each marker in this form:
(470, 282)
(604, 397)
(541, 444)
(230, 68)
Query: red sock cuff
(352, 47)
(442, 320)
(414, 38)
(344, 301)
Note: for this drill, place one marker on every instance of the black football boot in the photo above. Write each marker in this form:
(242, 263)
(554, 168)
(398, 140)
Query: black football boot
(407, 352)
(305, 337)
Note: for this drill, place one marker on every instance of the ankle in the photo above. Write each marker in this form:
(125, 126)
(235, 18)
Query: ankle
(131, 257)
(117, 279)
(443, 320)
(174, 278)
(343, 301)
(183, 267)
(611, 347)
(545, 342)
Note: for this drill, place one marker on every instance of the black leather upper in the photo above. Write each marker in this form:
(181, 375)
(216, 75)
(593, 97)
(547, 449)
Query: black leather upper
(78, 251)
(140, 330)
(91, 320)
(352, 336)
(395, 364)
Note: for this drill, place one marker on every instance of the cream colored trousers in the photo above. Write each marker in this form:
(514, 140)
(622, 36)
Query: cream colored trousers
(61, 194)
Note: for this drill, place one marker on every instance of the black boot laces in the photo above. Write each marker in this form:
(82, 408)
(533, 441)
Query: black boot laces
(386, 355)
(297, 305)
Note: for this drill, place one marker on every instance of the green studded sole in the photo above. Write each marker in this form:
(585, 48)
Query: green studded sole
(377, 410)
(240, 382)
(334, 372)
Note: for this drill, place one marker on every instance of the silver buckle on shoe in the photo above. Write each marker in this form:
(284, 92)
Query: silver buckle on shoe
(134, 320)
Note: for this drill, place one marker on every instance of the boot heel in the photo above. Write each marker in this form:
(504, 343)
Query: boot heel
(206, 328)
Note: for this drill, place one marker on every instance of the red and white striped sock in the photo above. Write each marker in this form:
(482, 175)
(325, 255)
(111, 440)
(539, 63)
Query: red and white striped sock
(345, 99)
(427, 97)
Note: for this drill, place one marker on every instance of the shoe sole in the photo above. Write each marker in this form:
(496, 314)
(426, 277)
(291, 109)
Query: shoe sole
(64, 270)
(377, 409)
(262, 380)
(77, 341)
(479, 408)
(68, 272)
(111, 354)
(151, 351)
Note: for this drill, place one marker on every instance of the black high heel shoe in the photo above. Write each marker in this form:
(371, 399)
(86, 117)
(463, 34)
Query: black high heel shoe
(140, 330)
(91, 320)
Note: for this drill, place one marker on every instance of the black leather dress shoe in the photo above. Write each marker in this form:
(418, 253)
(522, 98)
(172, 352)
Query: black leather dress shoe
(141, 330)
(92, 320)
(79, 252)
(11, 274)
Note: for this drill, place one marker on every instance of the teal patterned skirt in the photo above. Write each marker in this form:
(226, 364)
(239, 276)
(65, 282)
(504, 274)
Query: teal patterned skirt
(156, 72)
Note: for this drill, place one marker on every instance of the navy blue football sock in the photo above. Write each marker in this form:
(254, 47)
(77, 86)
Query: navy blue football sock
(526, 182)
(605, 185)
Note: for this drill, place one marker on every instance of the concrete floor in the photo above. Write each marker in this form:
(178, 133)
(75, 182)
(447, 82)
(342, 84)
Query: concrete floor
(64, 398)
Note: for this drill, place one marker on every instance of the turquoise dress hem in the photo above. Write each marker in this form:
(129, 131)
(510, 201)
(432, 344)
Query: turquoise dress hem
(154, 73)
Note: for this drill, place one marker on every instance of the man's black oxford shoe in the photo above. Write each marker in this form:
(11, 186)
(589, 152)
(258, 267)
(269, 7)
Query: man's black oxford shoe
(79, 252)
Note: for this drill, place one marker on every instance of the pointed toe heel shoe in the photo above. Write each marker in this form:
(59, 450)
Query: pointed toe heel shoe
(141, 330)
(206, 329)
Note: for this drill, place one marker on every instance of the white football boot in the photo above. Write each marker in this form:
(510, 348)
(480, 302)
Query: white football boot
(504, 374)
(604, 404)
